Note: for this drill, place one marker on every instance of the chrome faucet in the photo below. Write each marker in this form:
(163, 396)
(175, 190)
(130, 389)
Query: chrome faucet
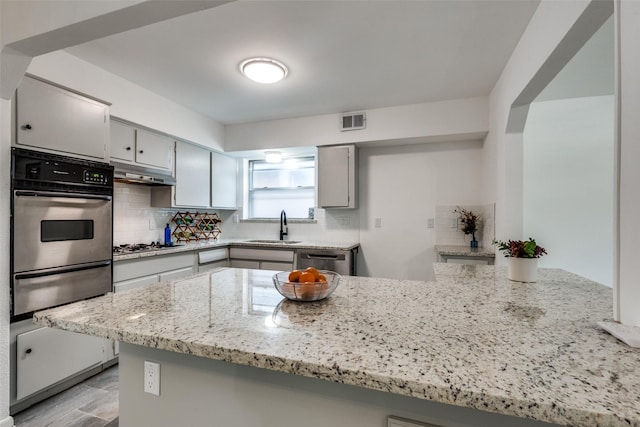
(284, 230)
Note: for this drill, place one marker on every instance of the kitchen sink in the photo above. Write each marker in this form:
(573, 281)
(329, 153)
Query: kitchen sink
(285, 242)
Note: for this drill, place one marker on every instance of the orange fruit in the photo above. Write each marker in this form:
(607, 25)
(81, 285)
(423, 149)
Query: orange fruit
(311, 270)
(322, 278)
(307, 277)
(294, 276)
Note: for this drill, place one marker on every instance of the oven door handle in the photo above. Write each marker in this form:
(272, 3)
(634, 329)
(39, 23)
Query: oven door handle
(61, 270)
(65, 195)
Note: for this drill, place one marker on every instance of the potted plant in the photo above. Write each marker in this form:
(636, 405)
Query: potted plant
(470, 222)
(523, 258)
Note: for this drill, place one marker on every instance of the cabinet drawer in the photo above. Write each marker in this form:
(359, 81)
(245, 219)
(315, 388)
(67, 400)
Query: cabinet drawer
(213, 255)
(235, 263)
(212, 266)
(278, 266)
(261, 254)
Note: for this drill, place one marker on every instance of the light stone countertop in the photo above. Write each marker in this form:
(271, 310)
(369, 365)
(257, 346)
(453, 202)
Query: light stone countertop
(466, 251)
(472, 338)
(224, 243)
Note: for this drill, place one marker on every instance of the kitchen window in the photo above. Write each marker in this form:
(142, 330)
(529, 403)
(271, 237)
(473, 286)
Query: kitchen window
(288, 185)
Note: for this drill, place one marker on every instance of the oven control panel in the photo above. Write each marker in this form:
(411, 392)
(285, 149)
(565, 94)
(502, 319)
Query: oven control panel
(94, 177)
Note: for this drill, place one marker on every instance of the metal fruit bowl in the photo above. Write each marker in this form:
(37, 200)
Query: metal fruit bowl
(306, 291)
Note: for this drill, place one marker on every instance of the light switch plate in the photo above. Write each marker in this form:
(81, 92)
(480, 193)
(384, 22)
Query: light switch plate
(430, 223)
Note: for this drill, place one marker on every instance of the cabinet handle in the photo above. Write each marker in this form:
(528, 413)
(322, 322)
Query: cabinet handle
(26, 127)
(28, 351)
(128, 148)
(141, 151)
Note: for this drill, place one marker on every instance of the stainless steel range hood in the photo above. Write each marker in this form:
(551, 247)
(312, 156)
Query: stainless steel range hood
(135, 174)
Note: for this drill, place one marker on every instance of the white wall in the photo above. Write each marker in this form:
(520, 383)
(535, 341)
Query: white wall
(5, 162)
(502, 152)
(462, 119)
(402, 186)
(129, 101)
(628, 92)
(568, 184)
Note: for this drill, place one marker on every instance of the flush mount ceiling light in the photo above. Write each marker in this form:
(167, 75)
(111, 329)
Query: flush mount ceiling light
(264, 70)
(273, 156)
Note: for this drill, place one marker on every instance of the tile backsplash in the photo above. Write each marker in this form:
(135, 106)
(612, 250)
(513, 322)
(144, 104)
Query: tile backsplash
(134, 220)
(449, 229)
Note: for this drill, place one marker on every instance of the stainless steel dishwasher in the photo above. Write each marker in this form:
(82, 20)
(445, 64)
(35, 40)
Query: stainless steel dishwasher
(342, 261)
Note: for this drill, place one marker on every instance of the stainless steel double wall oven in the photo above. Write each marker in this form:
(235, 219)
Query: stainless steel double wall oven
(61, 230)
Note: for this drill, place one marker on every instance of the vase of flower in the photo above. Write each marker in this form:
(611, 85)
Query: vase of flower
(470, 222)
(523, 259)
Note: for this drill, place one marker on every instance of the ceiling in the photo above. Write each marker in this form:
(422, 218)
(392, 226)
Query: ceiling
(342, 55)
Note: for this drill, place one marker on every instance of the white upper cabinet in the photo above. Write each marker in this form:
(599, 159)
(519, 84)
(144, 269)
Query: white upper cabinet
(224, 172)
(135, 145)
(123, 141)
(193, 175)
(154, 150)
(338, 177)
(56, 119)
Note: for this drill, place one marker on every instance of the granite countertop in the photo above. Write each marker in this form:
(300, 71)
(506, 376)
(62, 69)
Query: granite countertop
(452, 250)
(249, 243)
(472, 338)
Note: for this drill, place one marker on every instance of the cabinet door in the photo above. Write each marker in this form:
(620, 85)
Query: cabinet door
(122, 141)
(224, 170)
(56, 119)
(46, 356)
(334, 177)
(192, 175)
(154, 150)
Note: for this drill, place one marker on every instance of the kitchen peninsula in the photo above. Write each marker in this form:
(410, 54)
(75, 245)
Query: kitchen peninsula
(471, 348)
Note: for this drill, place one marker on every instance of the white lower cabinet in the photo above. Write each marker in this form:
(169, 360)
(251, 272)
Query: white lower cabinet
(263, 259)
(140, 272)
(46, 356)
(212, 259)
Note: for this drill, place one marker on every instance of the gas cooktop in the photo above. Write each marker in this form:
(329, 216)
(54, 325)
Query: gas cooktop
(141, 247)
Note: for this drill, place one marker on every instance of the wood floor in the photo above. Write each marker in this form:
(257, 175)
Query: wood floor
(92, 403)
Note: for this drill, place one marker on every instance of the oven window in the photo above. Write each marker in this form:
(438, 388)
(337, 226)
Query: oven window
(55, 231)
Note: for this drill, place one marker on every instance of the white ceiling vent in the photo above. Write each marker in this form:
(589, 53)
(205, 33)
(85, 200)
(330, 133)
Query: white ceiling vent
(353, 121)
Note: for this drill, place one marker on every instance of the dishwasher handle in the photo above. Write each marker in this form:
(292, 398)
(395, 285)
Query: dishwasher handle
(333, 257)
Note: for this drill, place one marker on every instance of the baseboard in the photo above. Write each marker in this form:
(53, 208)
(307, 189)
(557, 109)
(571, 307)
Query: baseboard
(7, 422)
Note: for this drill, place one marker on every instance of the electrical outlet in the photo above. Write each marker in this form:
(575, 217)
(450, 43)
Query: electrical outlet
(454, 222)
(152, 224)
(430, 222)
(152, 378)
(378, 222)
(344, 220)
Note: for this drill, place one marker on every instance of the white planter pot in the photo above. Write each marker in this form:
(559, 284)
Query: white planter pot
(522, 269)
